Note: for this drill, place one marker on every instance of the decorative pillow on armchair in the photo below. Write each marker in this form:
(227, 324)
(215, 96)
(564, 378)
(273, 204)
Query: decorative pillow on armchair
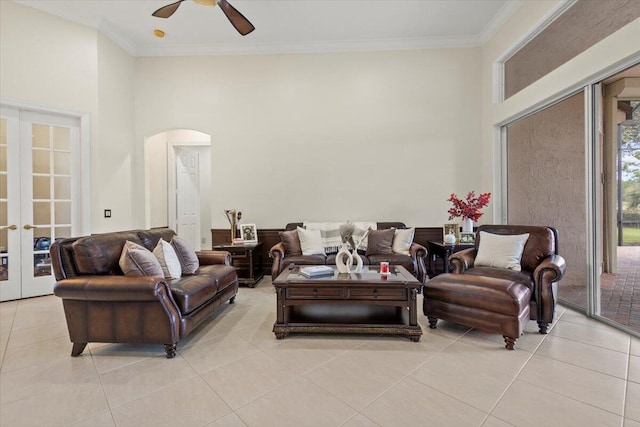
(501, 251)
(136, 260)
(380, 242)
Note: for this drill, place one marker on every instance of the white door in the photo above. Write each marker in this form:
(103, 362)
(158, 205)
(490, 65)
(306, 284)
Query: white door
(41, 198)
(188, 196)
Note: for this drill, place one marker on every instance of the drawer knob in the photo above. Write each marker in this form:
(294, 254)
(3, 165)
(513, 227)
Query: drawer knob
(375, 293)
(315, 292)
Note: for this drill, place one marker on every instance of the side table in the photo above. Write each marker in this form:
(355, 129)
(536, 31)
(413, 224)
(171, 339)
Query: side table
(247, 259)
(443, 251)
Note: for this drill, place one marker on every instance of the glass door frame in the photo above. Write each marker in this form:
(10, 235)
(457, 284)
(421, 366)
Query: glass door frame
(593, 171)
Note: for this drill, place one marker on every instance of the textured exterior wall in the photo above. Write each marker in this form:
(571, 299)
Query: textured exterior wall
(546, 181)
(580, 27)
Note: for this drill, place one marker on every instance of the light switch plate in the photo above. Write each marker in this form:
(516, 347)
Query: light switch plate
(107, 213)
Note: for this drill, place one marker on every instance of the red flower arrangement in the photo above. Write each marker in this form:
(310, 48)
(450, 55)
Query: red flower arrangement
(469, 207)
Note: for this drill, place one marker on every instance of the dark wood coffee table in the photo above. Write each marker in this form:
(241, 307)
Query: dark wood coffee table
(367, 303)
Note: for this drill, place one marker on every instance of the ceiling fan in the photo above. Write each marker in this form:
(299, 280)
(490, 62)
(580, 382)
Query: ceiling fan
(237, 19)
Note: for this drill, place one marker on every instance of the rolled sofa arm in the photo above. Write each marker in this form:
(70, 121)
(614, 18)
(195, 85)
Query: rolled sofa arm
(112, 288)
(209, 257)
(460, 261)
(277, 255)
(419, 255)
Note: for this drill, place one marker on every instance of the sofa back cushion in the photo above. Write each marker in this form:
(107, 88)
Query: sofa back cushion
(542, 242)
(150, 238)
(100, 254)
(291, 243)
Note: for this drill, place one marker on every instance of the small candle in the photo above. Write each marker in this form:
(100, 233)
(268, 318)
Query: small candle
(384, 267)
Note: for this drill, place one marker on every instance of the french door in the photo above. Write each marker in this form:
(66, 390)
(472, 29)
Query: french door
(39, 196)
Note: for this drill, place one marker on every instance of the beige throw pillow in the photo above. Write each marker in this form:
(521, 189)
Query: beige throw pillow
(501, 251)
(402, 240)
(136, 260)
(310, 241)
(187, 256)
(168, 260)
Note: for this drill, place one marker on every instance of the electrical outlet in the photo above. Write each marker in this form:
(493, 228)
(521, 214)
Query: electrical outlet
(107, 213)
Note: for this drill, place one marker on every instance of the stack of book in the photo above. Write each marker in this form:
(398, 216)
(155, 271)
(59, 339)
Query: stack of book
(316, 271)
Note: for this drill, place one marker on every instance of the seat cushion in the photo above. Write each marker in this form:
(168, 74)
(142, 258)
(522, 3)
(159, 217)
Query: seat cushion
(485, 293)
(224, 275)
(190, 292)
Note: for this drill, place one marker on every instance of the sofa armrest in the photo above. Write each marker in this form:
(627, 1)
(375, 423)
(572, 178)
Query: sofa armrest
(277, 255)
(112, 288)
(419, 254)
(208, 257)
(462, 260)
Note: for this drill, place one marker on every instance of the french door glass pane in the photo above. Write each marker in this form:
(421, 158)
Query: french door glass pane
(61, 139)
(62, 213)
(62, 163)
(62, 187)
(41, 213)
(41, 161)
(41, 138)
(3, 185)
(41, 187)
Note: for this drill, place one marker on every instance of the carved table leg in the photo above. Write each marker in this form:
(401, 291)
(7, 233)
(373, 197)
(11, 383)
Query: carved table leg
(170, 349)
(510, 342)
(78, 348)
(432, 322)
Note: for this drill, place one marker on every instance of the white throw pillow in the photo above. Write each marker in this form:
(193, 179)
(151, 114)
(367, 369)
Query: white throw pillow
(402, 240)
(501, 251)
(310, 241)
(168, 260)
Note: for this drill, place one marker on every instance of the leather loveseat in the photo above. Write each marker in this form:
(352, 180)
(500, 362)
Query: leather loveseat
(414, 262)
(101, 304)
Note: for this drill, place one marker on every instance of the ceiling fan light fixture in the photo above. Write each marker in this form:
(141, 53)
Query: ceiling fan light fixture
(205, 2)
(158, 33)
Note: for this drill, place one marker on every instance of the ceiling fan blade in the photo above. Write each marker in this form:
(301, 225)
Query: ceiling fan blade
(168, 10)
(237, 19)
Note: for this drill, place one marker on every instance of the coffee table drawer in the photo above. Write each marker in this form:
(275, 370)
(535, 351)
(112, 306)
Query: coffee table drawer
(319, 292)
(378, 293)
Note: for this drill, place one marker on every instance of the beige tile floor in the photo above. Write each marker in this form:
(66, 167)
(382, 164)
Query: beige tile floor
(233, 372)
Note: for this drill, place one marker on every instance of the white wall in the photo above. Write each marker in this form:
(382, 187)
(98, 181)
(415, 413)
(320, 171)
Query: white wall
(50, 62)
(381, 136)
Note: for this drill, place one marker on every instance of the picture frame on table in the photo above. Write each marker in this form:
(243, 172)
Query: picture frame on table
(249, 233)
(453, 228)
(467, 238)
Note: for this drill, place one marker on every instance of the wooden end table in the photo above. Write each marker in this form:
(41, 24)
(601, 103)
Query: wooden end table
(364, 303)
(247, 259)
(443, 251)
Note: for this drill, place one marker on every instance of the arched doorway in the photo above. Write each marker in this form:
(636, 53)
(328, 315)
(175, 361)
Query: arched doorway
(173, 196)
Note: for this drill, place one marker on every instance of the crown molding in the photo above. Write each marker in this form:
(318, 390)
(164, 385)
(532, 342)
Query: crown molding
(498, 19)
(336, 46)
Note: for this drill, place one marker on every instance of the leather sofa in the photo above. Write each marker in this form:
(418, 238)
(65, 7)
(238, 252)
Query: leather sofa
(414, 262)
(101, 304)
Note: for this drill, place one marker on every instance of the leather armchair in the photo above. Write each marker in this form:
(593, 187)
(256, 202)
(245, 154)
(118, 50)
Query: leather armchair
(542, 267)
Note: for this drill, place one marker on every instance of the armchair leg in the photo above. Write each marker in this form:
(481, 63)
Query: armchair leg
(170, 349)
(542, 327)
(78, 348)
(509, 342)
(232, 300)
